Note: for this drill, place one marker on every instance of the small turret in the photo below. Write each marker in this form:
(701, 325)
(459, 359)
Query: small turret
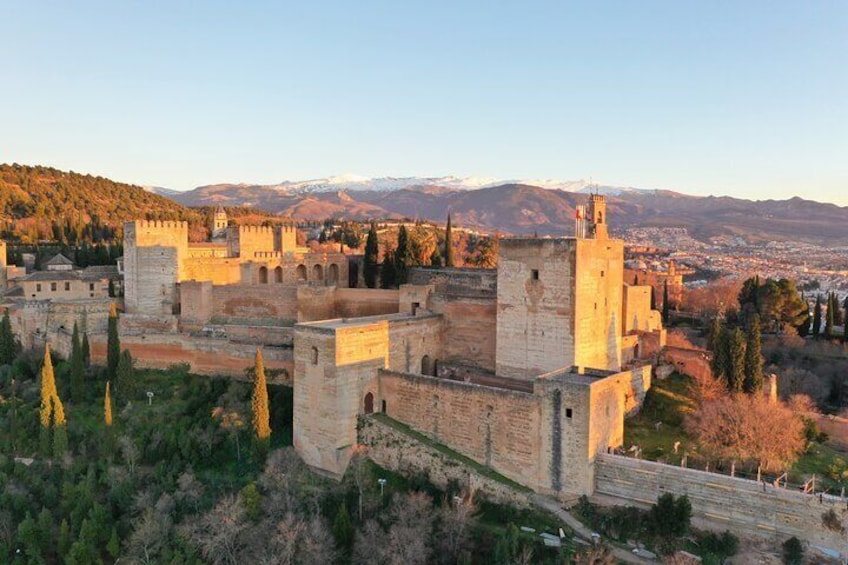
(219, 223)
(597, 217)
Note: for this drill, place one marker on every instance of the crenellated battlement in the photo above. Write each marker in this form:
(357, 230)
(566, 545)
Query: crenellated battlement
(257, 230)
(161, 224)
(267, 254)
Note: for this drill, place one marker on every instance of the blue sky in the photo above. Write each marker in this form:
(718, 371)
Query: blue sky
(745, 98)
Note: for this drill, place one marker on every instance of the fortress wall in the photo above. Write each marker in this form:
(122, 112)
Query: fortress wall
(315, 303)
(723, 502)
(255, 301)
(398, 452)
(153, 256)
(469, 328)
(219, 270)
(636, 309)
(495, 427)
(356, 302)
(207, 356)
(410, 339)
(196, 303)
(598, 303)
(256, 335)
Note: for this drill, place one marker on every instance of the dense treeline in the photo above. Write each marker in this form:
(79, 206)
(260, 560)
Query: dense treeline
(45, 204)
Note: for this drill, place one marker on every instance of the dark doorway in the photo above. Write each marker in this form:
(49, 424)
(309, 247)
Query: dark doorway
(369, 403)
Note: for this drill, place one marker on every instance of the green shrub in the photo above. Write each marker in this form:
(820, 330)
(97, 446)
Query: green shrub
(793, 551)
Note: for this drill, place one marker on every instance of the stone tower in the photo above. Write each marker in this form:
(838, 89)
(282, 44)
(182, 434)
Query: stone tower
(219, 224)
(559, 301)
(598, 216)
(154, 252)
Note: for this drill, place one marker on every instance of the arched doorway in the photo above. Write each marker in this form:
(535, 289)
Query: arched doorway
(333, 274)
(426, 365)
(301, 272)
(317, 273)
(263, 275)
(369, 403)
(278, 275)
(353, 275)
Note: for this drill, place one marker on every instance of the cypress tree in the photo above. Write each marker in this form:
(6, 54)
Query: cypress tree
(665, 304)
(52, 411)
(125, 377)
(753, 358)
(107, 406)
(60, 431)
(448, 243)
(837, 311)
(369, 262)
(436, 258)
(113, 347)
(86, 351)
(403, 257)
(77, 367)
(388, 273)
(48, 390)
(817, 317)
(713, 332)
(828, 324)
(736, 361)
(719, 362)
(259, 404)
(8, 347)
(845, 321)
(653, 298)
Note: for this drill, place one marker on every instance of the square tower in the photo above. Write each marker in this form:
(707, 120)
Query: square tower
(559, 305)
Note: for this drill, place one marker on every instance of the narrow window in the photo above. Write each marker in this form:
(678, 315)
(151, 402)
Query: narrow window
(37, 288)
(314, 355)
(534, 274)
(568, 412)
(53, 287)
(602, 273)
(90, 286)
(67, 286)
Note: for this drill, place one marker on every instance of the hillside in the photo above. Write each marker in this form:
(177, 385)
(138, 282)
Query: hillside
(524, 208)
(41, 203)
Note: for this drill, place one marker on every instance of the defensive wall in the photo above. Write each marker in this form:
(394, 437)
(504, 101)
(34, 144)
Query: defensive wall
(403, 451)
(207, 356)
(723, 502)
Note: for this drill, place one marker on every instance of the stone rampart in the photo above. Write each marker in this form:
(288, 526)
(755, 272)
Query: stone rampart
(740, 505)
(356, 302)
(402, 453)
(207, 356)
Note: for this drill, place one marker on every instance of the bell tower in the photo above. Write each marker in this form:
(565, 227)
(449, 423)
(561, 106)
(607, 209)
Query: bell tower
(598, 217)
(219, 223)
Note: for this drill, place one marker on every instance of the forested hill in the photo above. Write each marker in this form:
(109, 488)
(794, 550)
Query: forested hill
(45, 204)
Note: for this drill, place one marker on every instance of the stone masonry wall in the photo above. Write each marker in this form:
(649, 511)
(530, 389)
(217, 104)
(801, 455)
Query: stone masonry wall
(495, 427)
(398, 452)
(739, 505)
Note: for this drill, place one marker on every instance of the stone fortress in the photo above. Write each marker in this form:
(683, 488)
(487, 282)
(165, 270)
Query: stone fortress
(526, 371)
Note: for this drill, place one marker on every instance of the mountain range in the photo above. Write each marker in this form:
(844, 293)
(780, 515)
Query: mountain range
(546, 207)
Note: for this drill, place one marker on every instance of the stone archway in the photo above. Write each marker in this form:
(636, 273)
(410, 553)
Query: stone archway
(333, 273)
(300, 273)
(369, 403)
(426, 365)
(317, 273)
(278, 275)
(263, 275)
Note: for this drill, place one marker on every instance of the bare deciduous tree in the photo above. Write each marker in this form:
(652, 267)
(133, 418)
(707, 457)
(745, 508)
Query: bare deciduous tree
(218, 534)
(748, 428)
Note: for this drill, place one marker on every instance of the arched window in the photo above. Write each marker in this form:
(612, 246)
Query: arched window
(314, 355)
(263, 275)
(317, 273)
(333, 274)
(301, 272)
(369, 403)
(278, 275)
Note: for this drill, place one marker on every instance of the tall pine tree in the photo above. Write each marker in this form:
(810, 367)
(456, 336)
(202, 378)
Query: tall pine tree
(86, 351)
(403, 257)
(107, 406)
(259, 403)
(753, 357)
(449, 243)
(817, 317)
(388, 273)
(369, 261)
(125, 385)
(828, 324)
(113, 346)
(8, 345)
(77, 367)
(720, 362)
(713, 332)
(736, 361)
